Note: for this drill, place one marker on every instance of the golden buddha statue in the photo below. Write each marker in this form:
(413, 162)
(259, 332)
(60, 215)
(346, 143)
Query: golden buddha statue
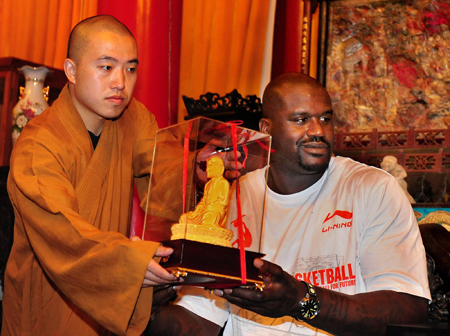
(205, 223)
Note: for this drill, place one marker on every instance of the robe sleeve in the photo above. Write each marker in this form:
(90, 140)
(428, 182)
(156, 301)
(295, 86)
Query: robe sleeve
(100, 272)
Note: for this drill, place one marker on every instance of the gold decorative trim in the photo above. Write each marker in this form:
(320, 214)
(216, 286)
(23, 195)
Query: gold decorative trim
(187, 270)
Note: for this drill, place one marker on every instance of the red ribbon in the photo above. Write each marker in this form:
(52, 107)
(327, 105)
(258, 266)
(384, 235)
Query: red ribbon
(238, 204)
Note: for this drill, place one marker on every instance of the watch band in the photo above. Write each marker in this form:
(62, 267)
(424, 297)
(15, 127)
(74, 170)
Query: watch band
(309, 306)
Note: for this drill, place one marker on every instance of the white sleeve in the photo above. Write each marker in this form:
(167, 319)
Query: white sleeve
(391, 252)
(204, 304)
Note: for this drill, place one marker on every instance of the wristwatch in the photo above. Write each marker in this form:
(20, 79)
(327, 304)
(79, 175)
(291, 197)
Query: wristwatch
(309, 306)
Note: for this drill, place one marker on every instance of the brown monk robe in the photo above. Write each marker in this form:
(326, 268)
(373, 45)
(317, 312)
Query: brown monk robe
(72, 270)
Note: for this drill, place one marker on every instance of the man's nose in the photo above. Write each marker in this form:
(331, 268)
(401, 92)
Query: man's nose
(315, 128)
(118, 80)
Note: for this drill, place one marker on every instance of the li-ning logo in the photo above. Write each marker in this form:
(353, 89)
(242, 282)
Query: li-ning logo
(347, 222)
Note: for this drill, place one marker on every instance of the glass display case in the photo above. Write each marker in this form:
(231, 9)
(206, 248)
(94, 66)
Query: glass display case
(196, 197)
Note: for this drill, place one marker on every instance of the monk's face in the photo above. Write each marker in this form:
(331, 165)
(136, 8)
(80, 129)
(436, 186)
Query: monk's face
(104, 76)
(302, 129)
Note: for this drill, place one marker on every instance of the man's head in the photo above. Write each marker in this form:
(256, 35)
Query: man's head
(101, 67)
(297, 112)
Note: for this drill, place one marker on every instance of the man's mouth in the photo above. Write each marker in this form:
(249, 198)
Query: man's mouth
(116, 99)
(314, 147)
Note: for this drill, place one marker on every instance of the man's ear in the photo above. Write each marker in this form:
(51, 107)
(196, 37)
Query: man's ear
(70, 69)
(264, 125)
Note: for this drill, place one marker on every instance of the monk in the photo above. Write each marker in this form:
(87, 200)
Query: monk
(72, 270)
(212, 208)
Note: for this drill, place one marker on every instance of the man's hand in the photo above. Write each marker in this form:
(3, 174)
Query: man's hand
(280, 296)
(162, 294)
(340, 314)
(217, 148)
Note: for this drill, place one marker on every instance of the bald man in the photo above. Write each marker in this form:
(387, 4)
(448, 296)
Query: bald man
(72, 269)
(343, 250)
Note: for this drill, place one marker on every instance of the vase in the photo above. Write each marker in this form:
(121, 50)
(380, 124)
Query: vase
(33, 98)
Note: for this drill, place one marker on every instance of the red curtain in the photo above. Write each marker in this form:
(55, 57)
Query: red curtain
(156, 24)
(287, 41)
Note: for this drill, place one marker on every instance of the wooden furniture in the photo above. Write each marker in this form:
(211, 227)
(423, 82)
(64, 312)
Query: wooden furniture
(10, 81)
(424, 153)
(426, 150)
(231, 106)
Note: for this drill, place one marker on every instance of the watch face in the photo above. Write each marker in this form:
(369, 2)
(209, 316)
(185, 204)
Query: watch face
(310, 309)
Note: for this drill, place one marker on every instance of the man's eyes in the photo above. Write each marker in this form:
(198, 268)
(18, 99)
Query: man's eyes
(323, 119)
(301, 120)
(109, 68)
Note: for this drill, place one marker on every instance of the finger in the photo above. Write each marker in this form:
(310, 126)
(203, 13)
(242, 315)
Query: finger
(210, 148)
(229, 155)
(152, 280)
(231, 174)
(135, 238)
(220, 292)
(238, 298)
(157, 275)
(216, 143)
(163, 251)
(268, 269)
(241, 296)
(245, 294)
(231, 165)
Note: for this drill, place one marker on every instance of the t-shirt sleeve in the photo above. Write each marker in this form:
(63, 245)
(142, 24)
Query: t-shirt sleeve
(391, 252)
(204, 304)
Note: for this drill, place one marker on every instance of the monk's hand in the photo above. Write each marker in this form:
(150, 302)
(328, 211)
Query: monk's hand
(156, 274)
(218, 148)
(280, 296)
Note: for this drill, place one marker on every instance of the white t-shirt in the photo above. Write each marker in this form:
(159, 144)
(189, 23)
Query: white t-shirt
(353, 231)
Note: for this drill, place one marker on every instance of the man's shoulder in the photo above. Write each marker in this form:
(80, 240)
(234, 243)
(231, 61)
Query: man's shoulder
(344, 167)
(348, 163)
(137, 107)
(136, 113)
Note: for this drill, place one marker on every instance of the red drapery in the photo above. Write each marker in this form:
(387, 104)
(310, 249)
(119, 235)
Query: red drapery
(295, 37)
